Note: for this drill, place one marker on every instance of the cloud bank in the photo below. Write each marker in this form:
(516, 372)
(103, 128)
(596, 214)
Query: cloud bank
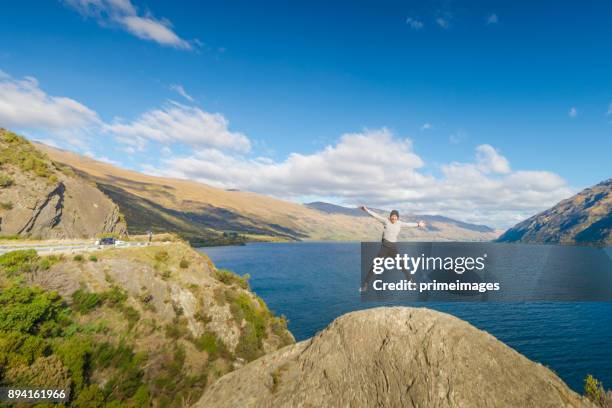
(377, 168)
(373, 166)
(24, 105)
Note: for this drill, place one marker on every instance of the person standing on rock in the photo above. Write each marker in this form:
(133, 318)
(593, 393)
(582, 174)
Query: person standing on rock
(391, 231)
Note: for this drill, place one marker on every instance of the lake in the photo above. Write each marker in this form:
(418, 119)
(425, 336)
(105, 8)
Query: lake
(312, 283)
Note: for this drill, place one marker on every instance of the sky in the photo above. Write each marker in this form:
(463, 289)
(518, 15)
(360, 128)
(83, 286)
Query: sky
(485, 111)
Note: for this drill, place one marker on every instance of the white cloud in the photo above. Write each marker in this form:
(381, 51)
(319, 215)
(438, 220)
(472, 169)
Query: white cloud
(414, 23)
(609, 112)
(123, 14)
(181, 91)
(573, 112)
(492, 19)
(103, 159)
(374, 166)
(379, 169)
(48, 142)
(427, 126)
(176, 123)
(490, 161)
(24, 105)
(443, 22)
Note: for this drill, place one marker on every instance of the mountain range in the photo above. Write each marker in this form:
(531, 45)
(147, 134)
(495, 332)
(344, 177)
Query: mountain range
(46, 192)
(585, 218)
(204, 214)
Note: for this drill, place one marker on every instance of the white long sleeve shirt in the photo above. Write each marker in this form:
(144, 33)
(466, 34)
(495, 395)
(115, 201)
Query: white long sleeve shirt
(391, 229)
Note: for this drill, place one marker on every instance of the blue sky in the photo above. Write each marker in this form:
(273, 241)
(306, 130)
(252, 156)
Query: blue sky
(287, 80)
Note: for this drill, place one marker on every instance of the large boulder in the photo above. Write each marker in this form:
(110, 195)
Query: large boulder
(394, 357)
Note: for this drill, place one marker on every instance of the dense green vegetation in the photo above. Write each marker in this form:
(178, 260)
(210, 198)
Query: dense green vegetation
(97, 345)
(42, 343)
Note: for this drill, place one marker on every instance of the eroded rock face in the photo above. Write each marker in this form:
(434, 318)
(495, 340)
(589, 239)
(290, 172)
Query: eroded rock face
(394, 357)
(39, 200)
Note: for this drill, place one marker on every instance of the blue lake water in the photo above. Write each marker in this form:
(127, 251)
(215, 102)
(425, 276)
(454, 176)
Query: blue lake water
(312, 283)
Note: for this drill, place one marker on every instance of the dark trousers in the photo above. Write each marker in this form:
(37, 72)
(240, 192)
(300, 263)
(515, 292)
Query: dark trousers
(387, 249)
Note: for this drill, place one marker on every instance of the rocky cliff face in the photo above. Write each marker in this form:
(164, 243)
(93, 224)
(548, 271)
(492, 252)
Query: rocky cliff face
(394, 357)
(41, 199)
(585, 218)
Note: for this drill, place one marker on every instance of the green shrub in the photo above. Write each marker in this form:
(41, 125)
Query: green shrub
(48, 261)
(131, 315)
(115, 296)
(593, 390)
(162, 256)
(253, 332)
(22, 347)
(213, 345)
(231, 278)
(202, 317)
(127, 377)
(90, 397)
(75, 353)
(184, 264)
(93, 258)
(23, 309)
(6, 205)
(45, 372)
(78, 258)
(15, 262)
(5, 180)
(279, 328)
(84, 302)
(176, 329)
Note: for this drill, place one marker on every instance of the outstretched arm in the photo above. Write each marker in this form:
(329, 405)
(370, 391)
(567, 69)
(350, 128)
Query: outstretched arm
(420, 224)
(373, 214)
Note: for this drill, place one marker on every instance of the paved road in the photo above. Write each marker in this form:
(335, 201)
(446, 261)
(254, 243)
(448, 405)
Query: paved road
(43, 249)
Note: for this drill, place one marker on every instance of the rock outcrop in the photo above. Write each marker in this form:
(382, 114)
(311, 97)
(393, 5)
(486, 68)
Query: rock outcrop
(585, 218)
(41, 199)
(394, 357)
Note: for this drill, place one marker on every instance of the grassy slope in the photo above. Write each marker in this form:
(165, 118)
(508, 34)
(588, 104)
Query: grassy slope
(129, 327)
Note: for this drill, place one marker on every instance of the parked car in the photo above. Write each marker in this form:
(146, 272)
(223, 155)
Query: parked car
(119, 242)
(106, 241)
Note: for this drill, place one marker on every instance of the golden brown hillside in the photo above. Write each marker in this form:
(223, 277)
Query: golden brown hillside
(201, 212)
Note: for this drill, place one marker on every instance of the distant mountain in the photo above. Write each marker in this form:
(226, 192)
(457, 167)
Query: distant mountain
(40, 198)
(204, 214)
(430, 219)
(585, 218)
(329, 208)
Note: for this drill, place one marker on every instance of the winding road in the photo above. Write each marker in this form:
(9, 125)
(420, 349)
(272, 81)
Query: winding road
(44, 249)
